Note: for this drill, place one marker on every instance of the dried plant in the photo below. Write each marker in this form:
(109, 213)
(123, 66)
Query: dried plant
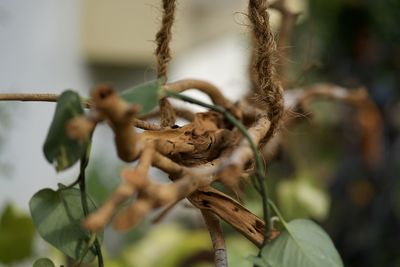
(221, 144)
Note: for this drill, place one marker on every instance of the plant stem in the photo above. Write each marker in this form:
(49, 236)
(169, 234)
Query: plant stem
(278, 213)
(29, 97)
(189, 99)
(38, 97)
(260, 171)
(82, 187)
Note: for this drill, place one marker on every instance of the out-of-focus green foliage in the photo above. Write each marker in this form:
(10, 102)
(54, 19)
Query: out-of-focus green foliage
(175, 246)
(171, 243)
(239, 249)
(16, 235)
(300, 198)
(313, 144)
(102, 179)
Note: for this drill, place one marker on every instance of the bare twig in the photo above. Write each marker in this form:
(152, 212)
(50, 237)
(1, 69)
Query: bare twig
(180, 112)
(209, 89)
(145, 125)
(29, 97)
(133, 181)
(217, 238)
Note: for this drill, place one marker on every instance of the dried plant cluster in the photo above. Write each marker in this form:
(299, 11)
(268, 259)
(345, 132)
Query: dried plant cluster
(209, 147)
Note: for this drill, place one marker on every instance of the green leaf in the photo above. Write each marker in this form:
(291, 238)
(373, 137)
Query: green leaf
(43, 262)
(57, 216)
(58, 148)
(303, 244)
(16, 235)
(146, 95)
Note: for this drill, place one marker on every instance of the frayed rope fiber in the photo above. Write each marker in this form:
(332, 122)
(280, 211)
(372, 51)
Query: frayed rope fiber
(269, 93)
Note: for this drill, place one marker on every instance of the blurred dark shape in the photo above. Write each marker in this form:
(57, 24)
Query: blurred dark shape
(203, 256)
(359, 46)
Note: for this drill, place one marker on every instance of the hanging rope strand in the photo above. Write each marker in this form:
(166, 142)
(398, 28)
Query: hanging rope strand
(268, 89)
(163, 38)
(163, 54)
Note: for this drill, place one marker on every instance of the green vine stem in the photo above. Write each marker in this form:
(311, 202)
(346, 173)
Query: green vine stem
(260, 171)
(82, 187)
(278, 213)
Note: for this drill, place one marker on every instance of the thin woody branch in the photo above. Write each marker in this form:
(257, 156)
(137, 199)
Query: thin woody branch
(145, 125)
(119, 115)
(180, 112)
(209, 89)
(217, 238)
(133, 181)
(29, 97)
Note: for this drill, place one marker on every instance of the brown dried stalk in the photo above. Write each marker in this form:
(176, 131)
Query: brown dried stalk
(232, 212)
(209, 89)
(201, 138)
(201, 196)
(208, 148)
(193, 180)
(186, 114)
(29, 97)
(217, 238)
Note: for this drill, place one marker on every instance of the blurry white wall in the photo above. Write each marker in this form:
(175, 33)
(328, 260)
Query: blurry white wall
(39, 52)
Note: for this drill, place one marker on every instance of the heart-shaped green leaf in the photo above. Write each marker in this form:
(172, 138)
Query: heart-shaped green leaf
(146, 95)
(16, 235)
(58, 148)
(43, 262)
(302, 244)
(57, 216)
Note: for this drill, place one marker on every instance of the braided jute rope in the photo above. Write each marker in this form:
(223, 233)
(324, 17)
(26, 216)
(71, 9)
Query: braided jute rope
(164, 36)
(269, 93)
(163, 54)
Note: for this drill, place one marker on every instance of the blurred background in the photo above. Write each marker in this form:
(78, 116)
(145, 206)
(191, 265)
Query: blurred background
(320, 172)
